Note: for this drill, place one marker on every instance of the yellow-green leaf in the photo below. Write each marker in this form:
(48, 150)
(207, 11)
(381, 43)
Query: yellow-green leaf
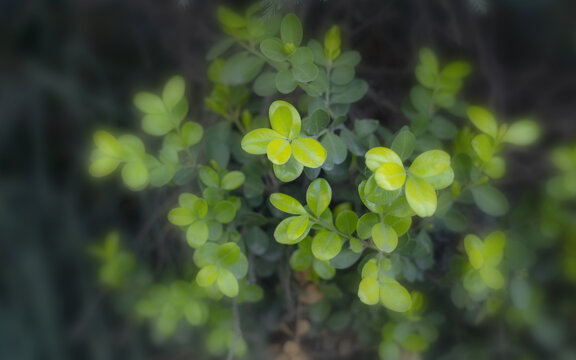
(227, 283)
(384, 237)
(394, 296)
(492, 277)
(370, 269)
(292, 229)
(279, 151)
(483, 147)
(256, 141)
(135, 175)
(287, 204)
(103, 166)
(197, 234)
(173, 91)
(377, 156)
(475, 249)
(107, 144)
(207, 275)
(430, 163)
(421, 196)
(318, 196)
(308, 152)
(181, 216)
(369, 291)
(285, 119)
(494, 248)
(326, 245)
(483, 120)
(390, 176)
(523, 132)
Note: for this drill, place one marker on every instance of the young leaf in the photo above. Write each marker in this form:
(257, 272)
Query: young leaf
(482, 145)
(227, 283)
(181, 216)
(394, 296)
(291, 30)
(523, 132)
(207, 275)
(384, 237)
(228, 253)
(377, 156)
(326, 245)
(483, 120)
(287, 204)
(292, 230)
(233, 180)
(279, 151)
(285, 119)
(308, 152)
(135, 175)
(346, 221)
(149, 103)
(390, 176)
(318, 196)
(421, 196)
(173, 91)
(224, 212)
(197, 234)
(369, 291)
(256, 141)
(430, 163)
(107, 143)
(474, 249)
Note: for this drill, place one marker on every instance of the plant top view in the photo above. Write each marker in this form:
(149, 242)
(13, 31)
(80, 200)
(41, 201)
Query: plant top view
(290, 216)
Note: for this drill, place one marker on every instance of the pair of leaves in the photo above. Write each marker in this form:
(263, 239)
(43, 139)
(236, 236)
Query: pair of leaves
(485, 256)
(375, 288)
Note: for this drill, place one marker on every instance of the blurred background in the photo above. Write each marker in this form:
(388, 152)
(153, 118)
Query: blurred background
(68, 67)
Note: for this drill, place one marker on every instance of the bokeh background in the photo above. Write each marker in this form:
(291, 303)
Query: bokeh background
(68, 67)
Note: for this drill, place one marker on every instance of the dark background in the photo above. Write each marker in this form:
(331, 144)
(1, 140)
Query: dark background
(69, 67)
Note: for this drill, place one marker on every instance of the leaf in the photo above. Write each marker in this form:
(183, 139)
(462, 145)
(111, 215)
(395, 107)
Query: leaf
(430, 163)
(191, 133)
(107, 143)
(342, 75)
(233, 180)
(482, 145)
(302, 55)
(390, 176)
(197, 234)
(365, 224)
(323, 269)
(316, 122)
(428, 59)
(228, 253)
(285, 119)
(289, 171)
(301, 259)
(421, 100)
(421, 196)
(265, 84)
(273, 49)
(326, 245)
(279, 151)
(291, 30)
(181, 216)
(378, 156)
(230, 19)
(149, 103)
(384, 237)
(404, 144)
(207, 275)
(345, 259)
(227, 283)
(209, 176)
(492, 277)
(240, 69)
(475, 249)
(287, 204)
(318, 196)
(523, 132)
(135, 175)
(443, 180)
(456, 70)
(369, 291)
(173, 91)
(332, 43)
(292, 230)
(346, 221)
(304, 72)
(494, 248)
(483, 120)
(335, 148)
(353, 92)
(219, 48)
(256, 141)
(158, 124)
(490, 200)
(103, 166)
(394, 296)
(224, 212)
(285, 82)
(308, 152)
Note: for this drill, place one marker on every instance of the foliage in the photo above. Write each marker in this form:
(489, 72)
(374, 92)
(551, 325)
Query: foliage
(433, 178)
